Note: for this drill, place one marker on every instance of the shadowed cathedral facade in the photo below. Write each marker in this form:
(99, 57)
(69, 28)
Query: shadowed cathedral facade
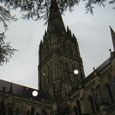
(61, 92)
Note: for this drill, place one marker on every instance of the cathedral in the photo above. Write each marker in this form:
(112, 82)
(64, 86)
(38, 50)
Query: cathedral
(63, 87)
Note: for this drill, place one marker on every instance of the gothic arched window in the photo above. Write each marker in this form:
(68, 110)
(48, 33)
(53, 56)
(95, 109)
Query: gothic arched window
(32, 111)
(66, 110)
(10, 111)
(2, 108)
(79, 107)
(110, 92)
(17, 112)
(47, 49)
(96, 98)
(49, 75)
(62, 69)
(69, 47)
(92, 104)
(67, 71)
(76, 111)
(37, 113)
(44, 112)
(64, 47)
(28, 112)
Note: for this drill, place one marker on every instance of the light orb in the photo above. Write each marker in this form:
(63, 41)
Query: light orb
(76, 71)
(35, 93)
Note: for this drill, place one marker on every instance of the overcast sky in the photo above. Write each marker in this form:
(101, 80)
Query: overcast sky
(92, 32)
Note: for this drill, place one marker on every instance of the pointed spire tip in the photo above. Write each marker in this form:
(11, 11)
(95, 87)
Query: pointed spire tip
(55, 21)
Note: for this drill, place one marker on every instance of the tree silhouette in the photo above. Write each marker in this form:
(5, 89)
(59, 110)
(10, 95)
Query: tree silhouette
(37, 9)
(6, 51)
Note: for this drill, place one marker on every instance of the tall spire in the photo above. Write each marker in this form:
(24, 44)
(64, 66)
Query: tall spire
(113, 37)
(55, 22)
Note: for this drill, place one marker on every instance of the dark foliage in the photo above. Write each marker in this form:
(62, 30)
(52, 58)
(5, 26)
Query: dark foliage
(6, 51)
(37, 9)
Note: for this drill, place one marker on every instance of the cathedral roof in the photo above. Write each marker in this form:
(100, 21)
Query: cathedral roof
(99, 69)
(21, 91)
(18, 90)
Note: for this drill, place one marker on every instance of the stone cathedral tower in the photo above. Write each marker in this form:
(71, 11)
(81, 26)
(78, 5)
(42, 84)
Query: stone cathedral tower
(59, 56)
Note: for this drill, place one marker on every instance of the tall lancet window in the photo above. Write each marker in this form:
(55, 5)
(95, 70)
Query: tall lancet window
(64, 47)
(17, 112)
(79, 107)
(10, 111)
(67, 71)
(69, 47)
(2, 108)
(37, 113)
(110, 92)
(28, 113)
(75, 110)
(44, 112)
(48, 76)
(92, 104)
(32, 111)
(96, 98)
